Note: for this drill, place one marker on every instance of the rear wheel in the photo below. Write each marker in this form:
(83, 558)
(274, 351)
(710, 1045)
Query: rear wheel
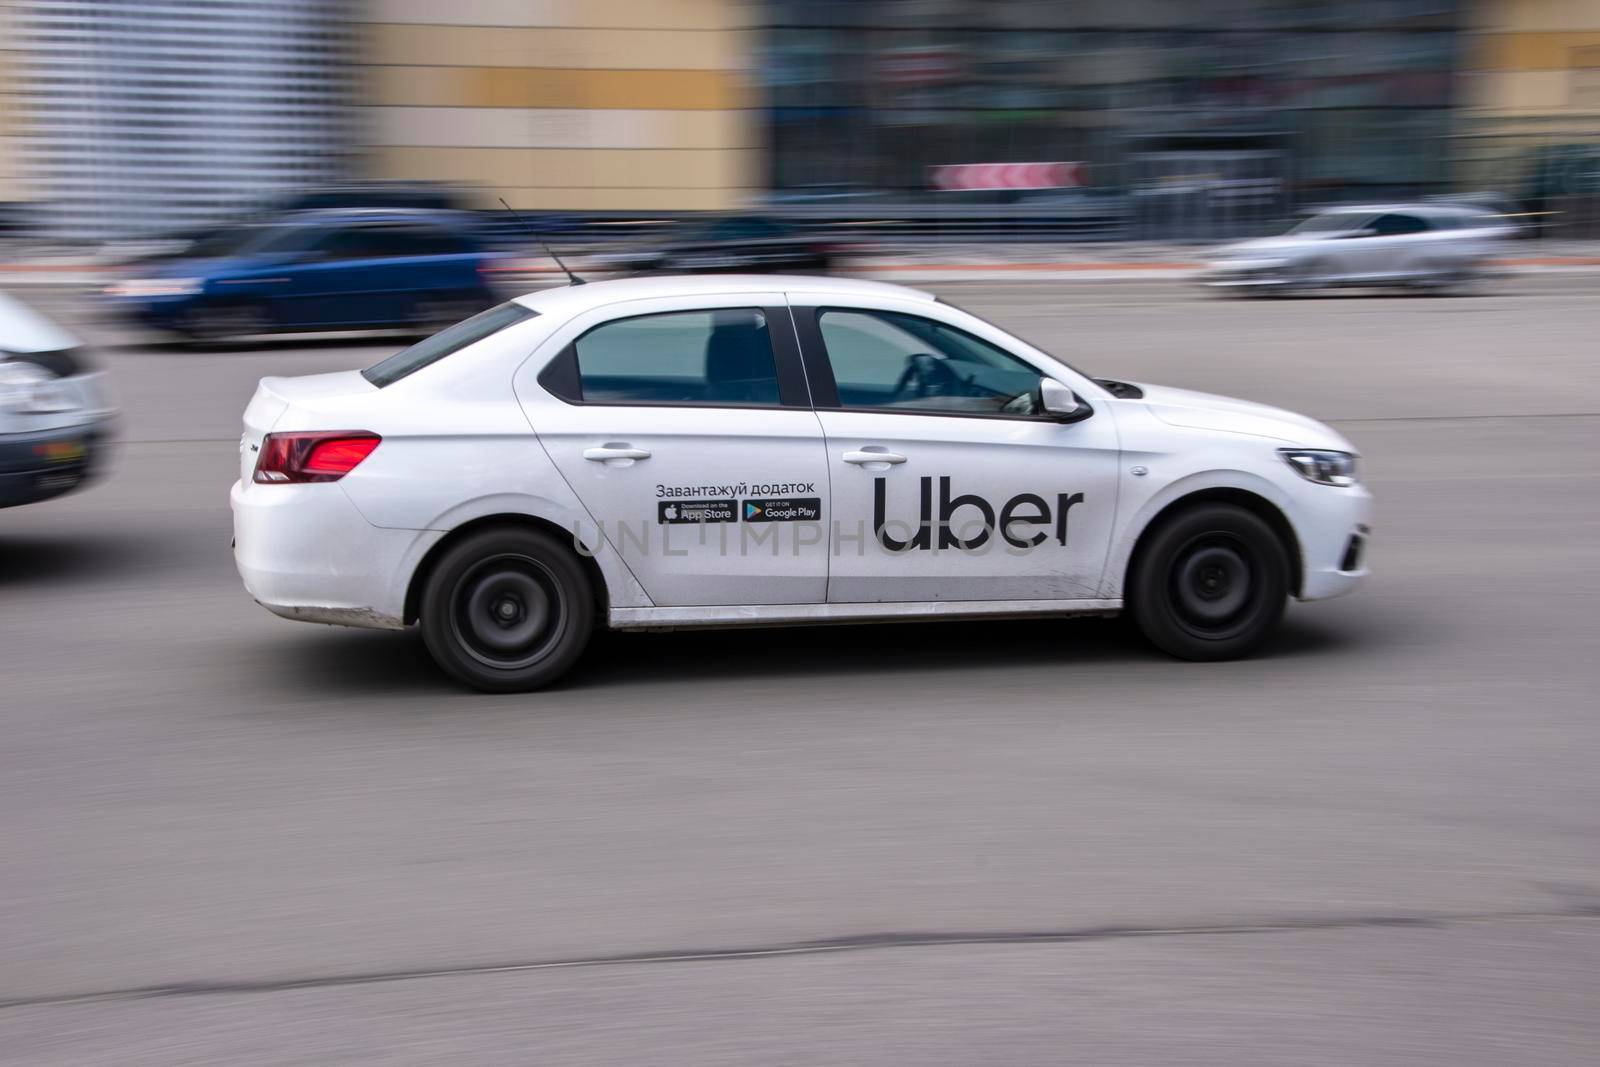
(507, 609)
(1210, 583)
(216, 323)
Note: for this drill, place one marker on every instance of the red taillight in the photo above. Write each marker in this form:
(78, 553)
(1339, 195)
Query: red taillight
(326, 456)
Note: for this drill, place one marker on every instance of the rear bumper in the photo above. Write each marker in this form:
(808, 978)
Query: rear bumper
(37, 466)
(306, 553)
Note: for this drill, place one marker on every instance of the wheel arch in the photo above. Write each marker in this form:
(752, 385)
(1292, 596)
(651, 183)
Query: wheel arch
(522, 520)
(1250, 501)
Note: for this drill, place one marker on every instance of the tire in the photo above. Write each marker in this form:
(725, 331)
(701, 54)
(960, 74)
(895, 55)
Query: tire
(1210, 583)
(506, 610)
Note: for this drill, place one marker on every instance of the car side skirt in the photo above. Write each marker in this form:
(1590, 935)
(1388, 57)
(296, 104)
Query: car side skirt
(817, 614)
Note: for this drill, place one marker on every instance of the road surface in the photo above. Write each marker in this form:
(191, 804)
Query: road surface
(230, 838)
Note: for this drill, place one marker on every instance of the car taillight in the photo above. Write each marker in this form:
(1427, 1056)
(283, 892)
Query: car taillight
(325, 456)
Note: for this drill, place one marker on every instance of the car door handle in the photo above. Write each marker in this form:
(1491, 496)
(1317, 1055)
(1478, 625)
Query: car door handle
(607, 452)
(866, 457)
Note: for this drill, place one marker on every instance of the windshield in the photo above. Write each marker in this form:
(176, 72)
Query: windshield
(1333, 222)
(447, 341)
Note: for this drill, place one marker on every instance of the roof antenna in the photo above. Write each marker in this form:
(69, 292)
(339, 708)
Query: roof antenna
(571, 277)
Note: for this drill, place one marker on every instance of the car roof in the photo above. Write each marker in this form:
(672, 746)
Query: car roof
(1409, 209)
(574, 299)
(325, 215)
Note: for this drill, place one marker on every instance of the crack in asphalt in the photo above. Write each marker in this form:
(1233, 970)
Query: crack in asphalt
(850, 943)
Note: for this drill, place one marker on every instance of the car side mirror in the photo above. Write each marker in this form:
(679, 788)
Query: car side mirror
(1060, 402)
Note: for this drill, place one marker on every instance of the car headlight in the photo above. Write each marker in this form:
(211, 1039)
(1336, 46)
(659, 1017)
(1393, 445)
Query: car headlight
(1322, 467)
(28, 389)
(156, 287)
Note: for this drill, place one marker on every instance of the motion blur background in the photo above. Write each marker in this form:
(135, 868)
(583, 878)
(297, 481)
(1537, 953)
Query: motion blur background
(1182, 119)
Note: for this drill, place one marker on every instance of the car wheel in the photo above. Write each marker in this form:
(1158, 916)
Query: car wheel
(1210, 583)
(506, 610)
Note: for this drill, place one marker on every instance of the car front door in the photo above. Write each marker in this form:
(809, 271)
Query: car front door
(354, 276)
(948, 482)
(1396, 239)
(684, 426)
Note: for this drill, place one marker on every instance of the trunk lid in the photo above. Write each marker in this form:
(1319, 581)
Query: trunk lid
(274, 396)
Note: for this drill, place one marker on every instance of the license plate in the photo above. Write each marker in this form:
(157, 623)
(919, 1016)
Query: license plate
(60, 451)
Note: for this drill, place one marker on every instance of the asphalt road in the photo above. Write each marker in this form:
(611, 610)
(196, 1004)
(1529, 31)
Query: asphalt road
(229, 838)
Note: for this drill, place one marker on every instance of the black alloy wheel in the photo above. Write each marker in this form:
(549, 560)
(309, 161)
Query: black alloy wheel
(507, 609)
(1210, 583)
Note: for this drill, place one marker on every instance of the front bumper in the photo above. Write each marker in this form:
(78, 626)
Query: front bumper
(1247, 274)
(306, 553)
(1334, 527)
(46, 463)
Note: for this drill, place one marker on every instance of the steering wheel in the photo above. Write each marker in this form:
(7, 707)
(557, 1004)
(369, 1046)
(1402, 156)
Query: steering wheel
(925, 376)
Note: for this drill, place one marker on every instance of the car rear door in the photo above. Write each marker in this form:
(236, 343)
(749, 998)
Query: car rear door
(685, 427)
(946, 483)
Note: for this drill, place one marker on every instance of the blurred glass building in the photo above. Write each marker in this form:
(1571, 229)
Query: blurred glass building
(139, 116)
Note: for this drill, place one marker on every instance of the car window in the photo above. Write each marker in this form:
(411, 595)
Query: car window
(447, 341)
(359, 242)
(387, 242)
(682, 357)
(1332, 222)
(430, 241)
(887, 359)
(1397, 225)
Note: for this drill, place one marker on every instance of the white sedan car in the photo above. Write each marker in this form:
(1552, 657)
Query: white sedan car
(1431, 246)
(748, 451)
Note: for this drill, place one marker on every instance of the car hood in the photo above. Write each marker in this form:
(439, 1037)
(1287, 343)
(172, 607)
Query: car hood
(23, 329)
(1205, 411)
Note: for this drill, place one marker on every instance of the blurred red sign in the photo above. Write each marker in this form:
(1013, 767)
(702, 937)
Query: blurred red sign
(961, 176)
(918, 66)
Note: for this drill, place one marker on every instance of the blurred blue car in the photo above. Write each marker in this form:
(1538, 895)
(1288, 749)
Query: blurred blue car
(316, 270)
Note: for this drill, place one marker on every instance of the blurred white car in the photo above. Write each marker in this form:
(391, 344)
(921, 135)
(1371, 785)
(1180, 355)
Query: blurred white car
(1432, 245)
(54, 411)
(761, 450)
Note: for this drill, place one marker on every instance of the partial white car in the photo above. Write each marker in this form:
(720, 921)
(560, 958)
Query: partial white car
(1417, 245)
(748, 451)
(55, 411)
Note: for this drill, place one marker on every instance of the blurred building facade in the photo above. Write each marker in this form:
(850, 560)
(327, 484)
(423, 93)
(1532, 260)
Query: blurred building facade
(565, 105)
(1188, 117)
(1529, 119)
(127, 117)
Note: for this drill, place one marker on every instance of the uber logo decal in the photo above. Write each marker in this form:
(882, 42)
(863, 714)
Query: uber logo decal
(1015, 516)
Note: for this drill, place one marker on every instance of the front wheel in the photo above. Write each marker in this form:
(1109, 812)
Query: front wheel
(1210, 584)
(507, 609)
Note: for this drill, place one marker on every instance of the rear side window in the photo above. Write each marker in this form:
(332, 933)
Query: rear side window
(447, 341)
(687, 357)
